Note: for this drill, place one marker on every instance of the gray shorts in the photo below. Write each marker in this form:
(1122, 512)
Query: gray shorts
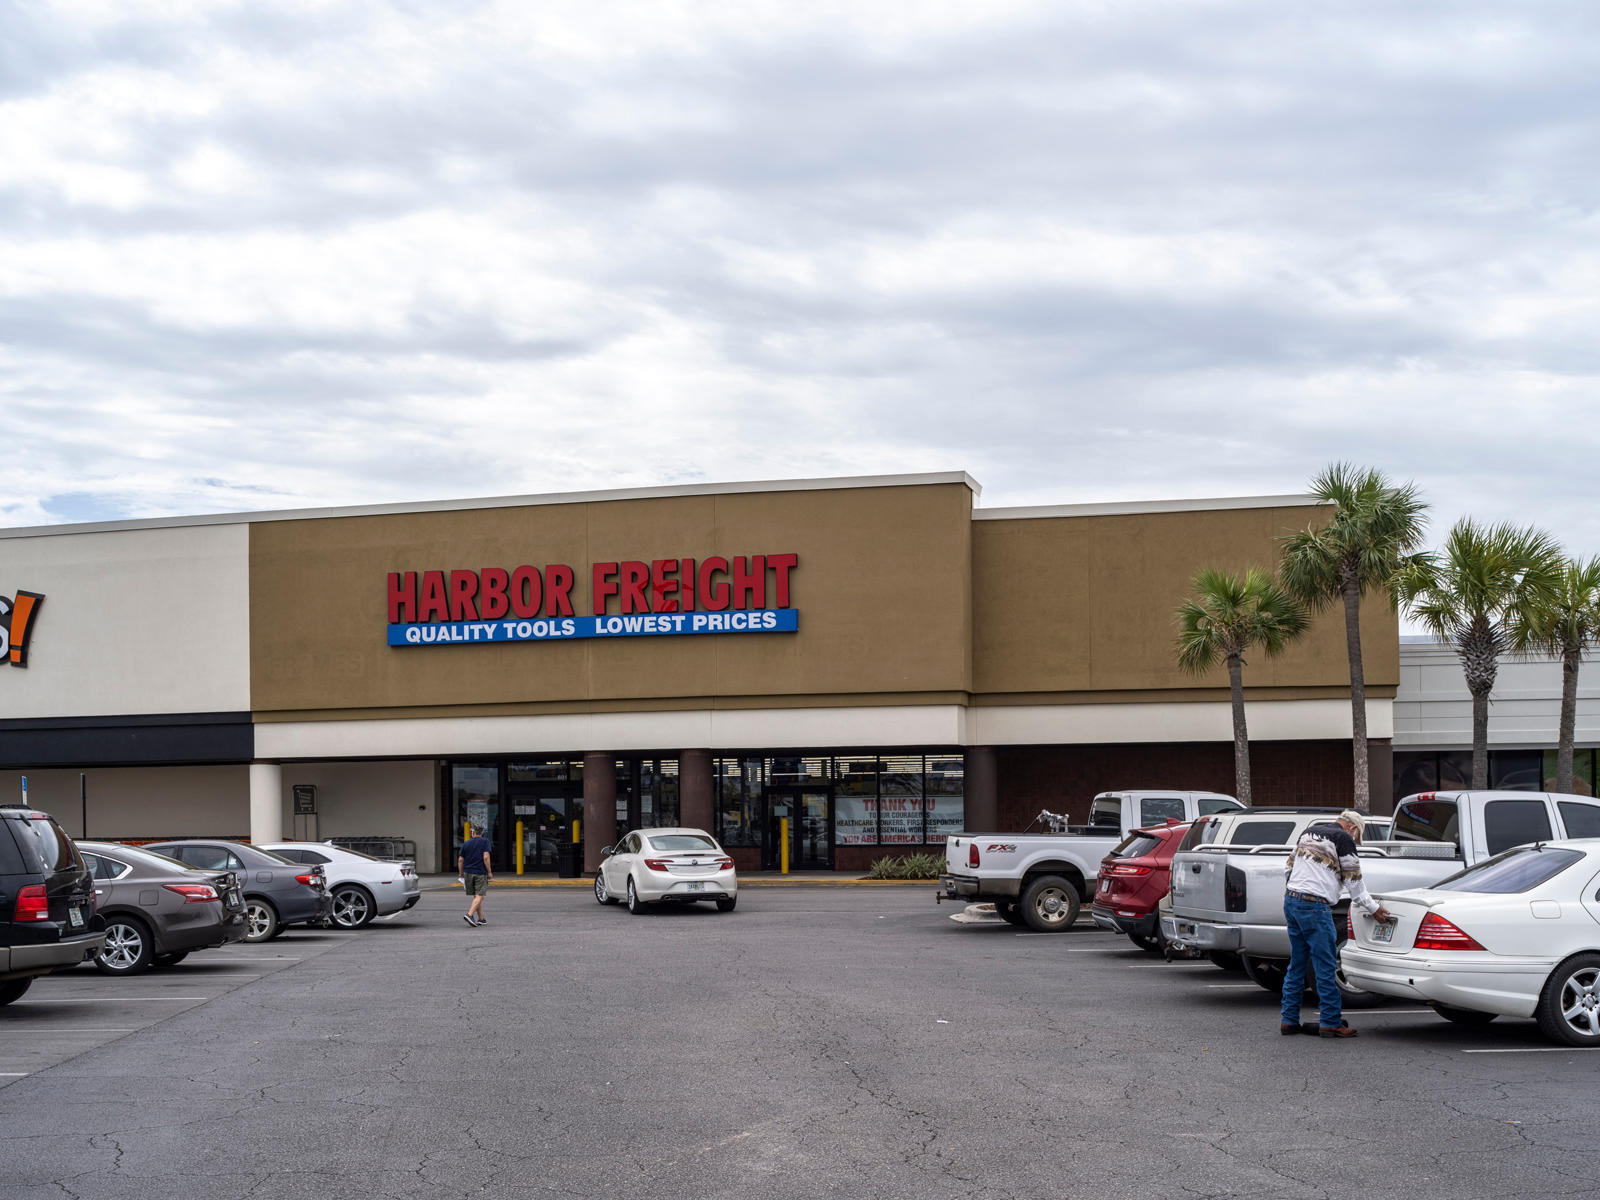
(477, 885)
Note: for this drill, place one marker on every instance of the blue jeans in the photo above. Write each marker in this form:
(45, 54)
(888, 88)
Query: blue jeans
(1311, 935)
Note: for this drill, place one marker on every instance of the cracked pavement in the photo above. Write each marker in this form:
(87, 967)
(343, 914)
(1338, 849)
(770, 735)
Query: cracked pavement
(836, 1042)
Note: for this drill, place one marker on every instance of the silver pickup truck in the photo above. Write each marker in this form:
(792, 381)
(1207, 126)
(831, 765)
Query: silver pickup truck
(1229, 899)
(1041, 880)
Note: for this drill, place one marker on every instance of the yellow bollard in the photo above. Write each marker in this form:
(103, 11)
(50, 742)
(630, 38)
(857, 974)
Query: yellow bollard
(519, 847)
(783, 844)
(466, 830)
(575, 824)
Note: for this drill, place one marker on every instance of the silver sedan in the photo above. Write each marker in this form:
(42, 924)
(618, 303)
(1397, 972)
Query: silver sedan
(651, 866)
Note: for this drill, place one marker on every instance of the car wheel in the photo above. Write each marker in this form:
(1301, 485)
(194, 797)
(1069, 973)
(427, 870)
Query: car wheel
(1354, 997)
(1008, 911)
(727, 903)
(1569, 1009)
(601, 892)
(635, 905)
(12, 989)
(165, 962)
(1154, 944)
(1470, 1017)
(128, 947)
(352, 906)
(1264, 973)
(1049, 904)
(1226, 959)
(261, 920)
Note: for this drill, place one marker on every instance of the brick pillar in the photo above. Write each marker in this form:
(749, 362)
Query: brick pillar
(599, 805)
(1380, 771)
(982, 803)
(697, 800)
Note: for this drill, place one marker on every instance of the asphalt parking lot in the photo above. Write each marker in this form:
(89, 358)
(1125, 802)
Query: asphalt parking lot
(828, 1041)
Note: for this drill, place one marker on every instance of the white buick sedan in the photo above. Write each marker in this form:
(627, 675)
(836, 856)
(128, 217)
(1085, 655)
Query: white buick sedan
(1517, 936)
(655, 865)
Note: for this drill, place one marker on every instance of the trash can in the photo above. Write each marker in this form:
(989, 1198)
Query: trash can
(569, 860)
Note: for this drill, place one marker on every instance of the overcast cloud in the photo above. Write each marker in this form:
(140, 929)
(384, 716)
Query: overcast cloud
(271, 255)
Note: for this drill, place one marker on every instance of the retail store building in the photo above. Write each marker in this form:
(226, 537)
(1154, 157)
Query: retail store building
(880, 661)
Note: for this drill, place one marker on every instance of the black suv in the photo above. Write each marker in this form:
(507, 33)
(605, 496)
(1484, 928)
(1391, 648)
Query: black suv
(47, 913)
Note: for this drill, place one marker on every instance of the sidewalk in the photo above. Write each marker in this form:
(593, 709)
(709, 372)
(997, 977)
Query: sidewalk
(445, 883)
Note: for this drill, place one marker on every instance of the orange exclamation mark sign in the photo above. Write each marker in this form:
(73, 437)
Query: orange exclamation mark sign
(22, 610)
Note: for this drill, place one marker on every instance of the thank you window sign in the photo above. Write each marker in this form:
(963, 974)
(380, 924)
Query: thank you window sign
(17, 617)
(663, 597)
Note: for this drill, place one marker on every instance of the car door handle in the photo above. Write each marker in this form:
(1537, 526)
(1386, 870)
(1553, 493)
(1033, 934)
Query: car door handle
(98, 892)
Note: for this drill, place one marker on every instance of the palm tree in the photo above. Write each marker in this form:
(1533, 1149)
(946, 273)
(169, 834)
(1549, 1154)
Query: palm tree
(1376, 527)
(1564, 627)
(1484, 581)
(1226, 616)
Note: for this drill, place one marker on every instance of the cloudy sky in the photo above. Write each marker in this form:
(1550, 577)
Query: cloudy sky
(270, 255)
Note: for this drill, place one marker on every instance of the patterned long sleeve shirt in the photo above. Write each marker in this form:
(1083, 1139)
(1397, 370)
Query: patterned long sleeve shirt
(1324, 864)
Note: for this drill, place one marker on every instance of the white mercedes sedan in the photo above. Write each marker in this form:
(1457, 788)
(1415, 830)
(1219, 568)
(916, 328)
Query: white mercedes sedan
(650, 866)
(1517, 935)
(362, 887)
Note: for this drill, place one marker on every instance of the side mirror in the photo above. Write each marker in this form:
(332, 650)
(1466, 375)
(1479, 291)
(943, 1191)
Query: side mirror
(605, 851)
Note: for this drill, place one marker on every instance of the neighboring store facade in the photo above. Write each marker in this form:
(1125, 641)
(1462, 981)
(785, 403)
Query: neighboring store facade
(868, 663)
(1433, 722)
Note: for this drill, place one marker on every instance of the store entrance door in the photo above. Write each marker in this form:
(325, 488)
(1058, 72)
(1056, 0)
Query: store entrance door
(547, 811)
(810, 815)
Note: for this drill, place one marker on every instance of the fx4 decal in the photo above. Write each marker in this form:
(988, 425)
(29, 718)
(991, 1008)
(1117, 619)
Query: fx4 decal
(1001, 847)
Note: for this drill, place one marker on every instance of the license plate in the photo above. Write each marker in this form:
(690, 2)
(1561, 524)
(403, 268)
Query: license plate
(1383, 932)
(697, 887)
(75, 917)
(233, 897)
(1105, 885)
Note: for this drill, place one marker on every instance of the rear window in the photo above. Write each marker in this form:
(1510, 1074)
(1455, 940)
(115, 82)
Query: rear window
(1426, 821)
(1261, 833)
(45, 848)
(1155, 809)
(1581, 820)
(1137, 845)
(1508, 823)
(1202, 833)
(1519, 870)
(682, 841)
(1106, 810)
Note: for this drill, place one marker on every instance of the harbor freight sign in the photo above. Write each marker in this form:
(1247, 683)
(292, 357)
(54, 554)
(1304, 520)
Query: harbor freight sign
(662, 598)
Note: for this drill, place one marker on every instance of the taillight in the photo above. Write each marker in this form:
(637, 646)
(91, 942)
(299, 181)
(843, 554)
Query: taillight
(658, 864)
(1350, 925)
(193, 893)
(308, 880)
(1435, 933)
(1129, 869)
(32, 904)
(1233, 897)
(972, 854)
(724, 864)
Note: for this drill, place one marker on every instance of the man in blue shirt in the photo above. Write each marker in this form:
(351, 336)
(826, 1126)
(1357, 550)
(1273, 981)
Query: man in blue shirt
(473, 863)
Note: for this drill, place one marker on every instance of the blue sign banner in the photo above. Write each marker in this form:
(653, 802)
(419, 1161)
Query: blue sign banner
(561, 629)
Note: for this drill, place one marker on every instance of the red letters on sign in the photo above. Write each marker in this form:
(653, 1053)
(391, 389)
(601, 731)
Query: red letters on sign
(664, 585)
(463, 589)
(434, 606)
(558, 590)
(603, 585)
(713, 595)
(782, 564)
(402, 597)
(492, 601)
(686, 584)
(525, 589)
(634, 576)
(750, 583)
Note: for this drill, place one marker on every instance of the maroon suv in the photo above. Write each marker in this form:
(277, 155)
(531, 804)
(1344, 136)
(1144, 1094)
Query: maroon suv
(1133, 879)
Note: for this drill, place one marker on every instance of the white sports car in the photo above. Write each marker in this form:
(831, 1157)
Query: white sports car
(362, 887)
(652, 865)
(1517, 935)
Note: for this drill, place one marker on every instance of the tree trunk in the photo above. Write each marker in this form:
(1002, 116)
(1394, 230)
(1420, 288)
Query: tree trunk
(1571, 660)
(1241, 736)
(1480, 740)
(1358, 695)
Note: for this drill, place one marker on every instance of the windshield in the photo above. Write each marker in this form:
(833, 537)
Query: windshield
(682, 841)
(1137, 845)
(1519, 870)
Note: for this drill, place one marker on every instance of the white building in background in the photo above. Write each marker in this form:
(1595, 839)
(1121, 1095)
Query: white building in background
(1433, 721)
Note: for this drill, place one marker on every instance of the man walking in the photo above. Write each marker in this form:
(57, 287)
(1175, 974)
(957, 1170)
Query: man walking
(473, 863)
(1323, 865)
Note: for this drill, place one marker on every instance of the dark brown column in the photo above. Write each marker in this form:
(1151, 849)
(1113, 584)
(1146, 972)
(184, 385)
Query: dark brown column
(696, 798)
(982, 803)
(599, 806)
(1380, 770)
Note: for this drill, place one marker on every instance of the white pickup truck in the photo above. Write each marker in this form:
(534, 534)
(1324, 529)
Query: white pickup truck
(1041, 879)
(1229, 899)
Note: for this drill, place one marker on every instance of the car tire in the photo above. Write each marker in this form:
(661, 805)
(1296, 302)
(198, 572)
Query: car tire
(635, 905)
(1008, 911)
(129, 947)
(165, 962)
(1154, 944)
(353, 906)
(601, 892)
(261, 919)
(1049, 904)
(12, 989)
(727, 903)
(1354, 997)
(1471, 1018)
(1226, 959)
(1569, 1006)
(1265, 973)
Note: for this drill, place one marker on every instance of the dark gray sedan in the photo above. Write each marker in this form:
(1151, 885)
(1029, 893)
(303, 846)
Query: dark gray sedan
(157, 909)
(277, 892)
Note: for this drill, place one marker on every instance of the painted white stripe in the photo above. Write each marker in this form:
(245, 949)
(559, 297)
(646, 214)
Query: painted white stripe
(1537, 1050)
(1235, 985)
(23, 1006)
(16, 1074)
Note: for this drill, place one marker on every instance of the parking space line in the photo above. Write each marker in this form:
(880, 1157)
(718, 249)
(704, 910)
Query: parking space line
(1535, 1050)
(105, 1000)
(1235, 985)
(15, 1074)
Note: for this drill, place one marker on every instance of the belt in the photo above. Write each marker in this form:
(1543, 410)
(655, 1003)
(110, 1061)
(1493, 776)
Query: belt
(1309, 896)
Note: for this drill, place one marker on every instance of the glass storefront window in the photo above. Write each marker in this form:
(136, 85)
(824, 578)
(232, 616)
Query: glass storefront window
(739, 801)
(1582, 771)
(1415, 771)
(788, 772)
(1455, 770)
(946, 792)
(900, 800)
(1515, 770)
(474, 800)
(554, 770)
(658, 793)
(855, 802)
